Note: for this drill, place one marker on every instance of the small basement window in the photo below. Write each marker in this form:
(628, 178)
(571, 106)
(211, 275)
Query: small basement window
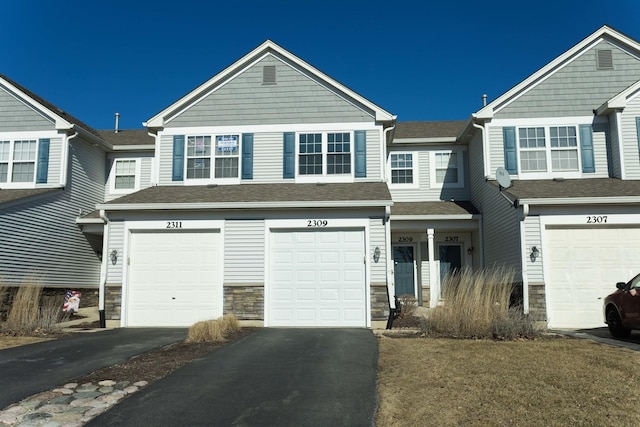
(269, 75)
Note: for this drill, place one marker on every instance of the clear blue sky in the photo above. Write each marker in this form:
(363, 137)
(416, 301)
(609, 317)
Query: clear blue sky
(421, 60)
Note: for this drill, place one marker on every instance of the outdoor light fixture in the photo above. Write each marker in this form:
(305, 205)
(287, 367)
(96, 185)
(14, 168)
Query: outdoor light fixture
(114, 256)
(376, 255)
(470, 250)
(535, 253)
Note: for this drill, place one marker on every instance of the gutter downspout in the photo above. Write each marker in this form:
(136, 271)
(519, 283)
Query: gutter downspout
(523, 250)
(621, 159)
(103, 269)
(65, 156)
(155, 178)
(389, 267)
(485, 152)
(384, 148)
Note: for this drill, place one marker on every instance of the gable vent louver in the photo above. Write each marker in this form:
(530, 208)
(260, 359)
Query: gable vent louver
(604, 59)
(269, 75)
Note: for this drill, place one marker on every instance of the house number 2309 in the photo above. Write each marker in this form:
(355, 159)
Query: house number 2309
(317, 223)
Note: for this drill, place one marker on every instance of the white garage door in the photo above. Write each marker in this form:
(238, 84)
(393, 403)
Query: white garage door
(317, 278)
(584, 265)
(174, 278)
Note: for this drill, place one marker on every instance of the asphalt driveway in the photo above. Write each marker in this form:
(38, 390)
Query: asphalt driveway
(38, 367)
(272, 377)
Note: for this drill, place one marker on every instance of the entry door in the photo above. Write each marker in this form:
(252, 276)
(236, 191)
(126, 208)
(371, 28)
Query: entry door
(403, 270)
(450, 259)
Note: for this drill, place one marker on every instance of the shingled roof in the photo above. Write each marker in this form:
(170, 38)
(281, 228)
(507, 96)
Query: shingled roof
(433, 208)
(376, 192)
(11, 195)
(127, 137)
(440, 129)
(573, 188)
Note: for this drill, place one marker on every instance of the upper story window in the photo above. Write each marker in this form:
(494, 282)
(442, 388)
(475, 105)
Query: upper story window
(548, 149)
(447, 169)
(402, 171)
(324, 154)
(18, 161)
(222, 152)
(125, 176)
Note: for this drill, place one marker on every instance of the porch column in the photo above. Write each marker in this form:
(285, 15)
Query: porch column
(434, 271)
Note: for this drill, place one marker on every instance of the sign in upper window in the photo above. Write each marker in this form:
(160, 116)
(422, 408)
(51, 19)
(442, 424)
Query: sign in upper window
(224, 154)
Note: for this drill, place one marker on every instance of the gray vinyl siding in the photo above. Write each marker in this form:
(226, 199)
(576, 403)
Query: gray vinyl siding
(424, 192)
(600, 135)
(244, 251)
(373, 156)
(577, 88)
(377, 239)
(267, 157)
(55, 161)
(500, 225)
(17, 116)
(165, 157)
(613, 148)
(295, 98)
(630, 139)
(533, 237)
(116, 242)
(40, 238)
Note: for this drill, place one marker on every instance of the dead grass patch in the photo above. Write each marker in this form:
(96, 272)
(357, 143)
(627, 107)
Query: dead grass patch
(215, 330)
(561, 381)
(7, 341)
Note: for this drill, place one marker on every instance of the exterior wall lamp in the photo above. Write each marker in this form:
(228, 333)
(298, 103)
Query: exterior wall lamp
(470, 250)
(114, 256)
(376, 254)
(535, 253)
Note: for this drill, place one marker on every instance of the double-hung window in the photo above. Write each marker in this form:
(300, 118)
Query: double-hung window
(402, 166)
(220, 150)
(446, 169)
(18, 161)
(548, 149)
(325, 154)
(125, 176)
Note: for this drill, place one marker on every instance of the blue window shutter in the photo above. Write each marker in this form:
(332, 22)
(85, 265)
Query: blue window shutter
(247, 156)
(510, 149)
(178, 158)
(360, 147)
(586, 149)
(43, 161)
(288, 156)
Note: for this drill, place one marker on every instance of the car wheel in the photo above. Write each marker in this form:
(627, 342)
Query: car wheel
(615, 324)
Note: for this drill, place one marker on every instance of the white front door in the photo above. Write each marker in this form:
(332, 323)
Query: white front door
(174, 278)
(317, 278)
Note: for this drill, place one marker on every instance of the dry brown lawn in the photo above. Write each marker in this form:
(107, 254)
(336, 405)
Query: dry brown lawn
(9, 341)
(544, 382)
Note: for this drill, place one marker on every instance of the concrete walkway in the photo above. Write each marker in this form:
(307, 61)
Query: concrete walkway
(41, 366)
(273, 377)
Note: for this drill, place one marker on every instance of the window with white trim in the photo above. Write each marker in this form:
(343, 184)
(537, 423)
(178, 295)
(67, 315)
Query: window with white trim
(223, 151)
(125, 174)
(18, 161)
(446, 169)
(325, 154)
(402, 168)
(542, 146)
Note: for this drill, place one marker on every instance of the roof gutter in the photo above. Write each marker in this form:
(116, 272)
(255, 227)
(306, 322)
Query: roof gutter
(245, 205)
(617, 200)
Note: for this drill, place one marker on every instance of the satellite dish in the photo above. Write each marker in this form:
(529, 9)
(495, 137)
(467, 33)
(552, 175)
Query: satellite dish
(503, 178)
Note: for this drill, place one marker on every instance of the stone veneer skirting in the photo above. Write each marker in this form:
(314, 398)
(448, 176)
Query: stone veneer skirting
(113, 301)
(245, 302)
(537, 302)
(379, 301)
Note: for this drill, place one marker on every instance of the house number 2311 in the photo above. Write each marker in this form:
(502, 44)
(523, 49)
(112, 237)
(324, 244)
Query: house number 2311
(174, 224)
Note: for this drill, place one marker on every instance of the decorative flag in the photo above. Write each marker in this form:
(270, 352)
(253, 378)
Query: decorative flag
(71, 302)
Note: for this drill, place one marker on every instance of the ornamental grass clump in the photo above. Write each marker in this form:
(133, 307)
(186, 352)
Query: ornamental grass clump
(31, 312)
(214, 330)
(476, 304)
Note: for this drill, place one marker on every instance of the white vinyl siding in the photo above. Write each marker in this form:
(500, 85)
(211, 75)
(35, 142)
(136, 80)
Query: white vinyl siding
(533, 237)
(244, 252)
(377, 240)
(116, 243)
(16, 116)
(631, 152)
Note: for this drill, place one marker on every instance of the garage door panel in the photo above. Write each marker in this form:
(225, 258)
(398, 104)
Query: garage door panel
(174, 278)
(583, 266)
(329, 272)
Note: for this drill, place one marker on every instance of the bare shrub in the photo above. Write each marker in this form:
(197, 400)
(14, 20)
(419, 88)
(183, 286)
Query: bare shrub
(30, 312)
(213, 330)
(408, 305)
(514, 324)
(476, 305)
